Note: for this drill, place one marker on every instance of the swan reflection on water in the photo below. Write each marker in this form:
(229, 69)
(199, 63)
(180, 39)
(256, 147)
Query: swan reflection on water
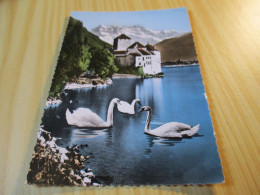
(82, 135)
(164, 141)
(153, 141)
(160, 141)
(78, 134)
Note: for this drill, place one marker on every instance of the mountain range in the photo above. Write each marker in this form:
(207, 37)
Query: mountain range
(136, 33)
(176, 48)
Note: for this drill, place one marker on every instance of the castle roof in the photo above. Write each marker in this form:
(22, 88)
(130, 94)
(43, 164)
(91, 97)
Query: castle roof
(118, 52)
(135, 54)
(149, 47)
(122, 36)
(143, 52)
(139, 45)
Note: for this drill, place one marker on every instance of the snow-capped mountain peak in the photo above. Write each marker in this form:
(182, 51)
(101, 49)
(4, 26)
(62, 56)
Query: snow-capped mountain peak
(136, 33)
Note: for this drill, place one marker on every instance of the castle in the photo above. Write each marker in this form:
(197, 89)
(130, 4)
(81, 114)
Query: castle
(137, 55)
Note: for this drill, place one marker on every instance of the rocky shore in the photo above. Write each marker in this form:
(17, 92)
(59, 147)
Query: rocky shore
(83, 81)
(53, 101)
(119, 76)
(87, 81)
(158, 75)
(54, 165)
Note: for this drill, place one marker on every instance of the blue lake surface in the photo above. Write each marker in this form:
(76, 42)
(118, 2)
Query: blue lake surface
(131, 157)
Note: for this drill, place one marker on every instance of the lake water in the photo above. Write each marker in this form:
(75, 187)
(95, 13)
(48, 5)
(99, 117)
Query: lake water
(124, 152)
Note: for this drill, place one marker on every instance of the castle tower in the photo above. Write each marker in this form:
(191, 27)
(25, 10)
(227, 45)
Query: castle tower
(121, 42)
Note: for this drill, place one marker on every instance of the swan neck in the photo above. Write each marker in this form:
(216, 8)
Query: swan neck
(148, 121)
(110, 113)
(133, 102)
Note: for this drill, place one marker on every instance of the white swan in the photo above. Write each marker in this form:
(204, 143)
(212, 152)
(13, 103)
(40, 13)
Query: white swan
(84, 117)
(127, 108)
(172, 129)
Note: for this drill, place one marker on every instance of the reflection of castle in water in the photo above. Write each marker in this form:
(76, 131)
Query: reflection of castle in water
(150, 91)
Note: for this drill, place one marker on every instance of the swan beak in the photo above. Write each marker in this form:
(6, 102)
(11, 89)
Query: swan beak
(141, 110)
(119, 102)
(139, 103)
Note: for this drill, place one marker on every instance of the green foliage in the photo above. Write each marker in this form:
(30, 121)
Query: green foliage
(95, 42)
(140, 71)
(85, 59)
(75, 56)
(68, 65)
(103, 62)
(83, 51)
(131, 70)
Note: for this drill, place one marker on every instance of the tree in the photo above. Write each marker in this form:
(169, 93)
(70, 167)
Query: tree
(85, 59)
(74, 56)
(102, 62)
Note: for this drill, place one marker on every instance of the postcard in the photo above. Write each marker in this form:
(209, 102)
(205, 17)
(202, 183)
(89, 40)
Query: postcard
(127, 105)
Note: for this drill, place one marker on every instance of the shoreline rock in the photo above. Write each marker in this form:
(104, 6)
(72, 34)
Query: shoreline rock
(54, 165)
(119, 76)
(53, 101)
(50, 102)
(158, 75)
(83, 81)
(130, 76)
(88, 83)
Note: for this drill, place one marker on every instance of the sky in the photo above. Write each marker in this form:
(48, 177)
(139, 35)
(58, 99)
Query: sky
(171, 19)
